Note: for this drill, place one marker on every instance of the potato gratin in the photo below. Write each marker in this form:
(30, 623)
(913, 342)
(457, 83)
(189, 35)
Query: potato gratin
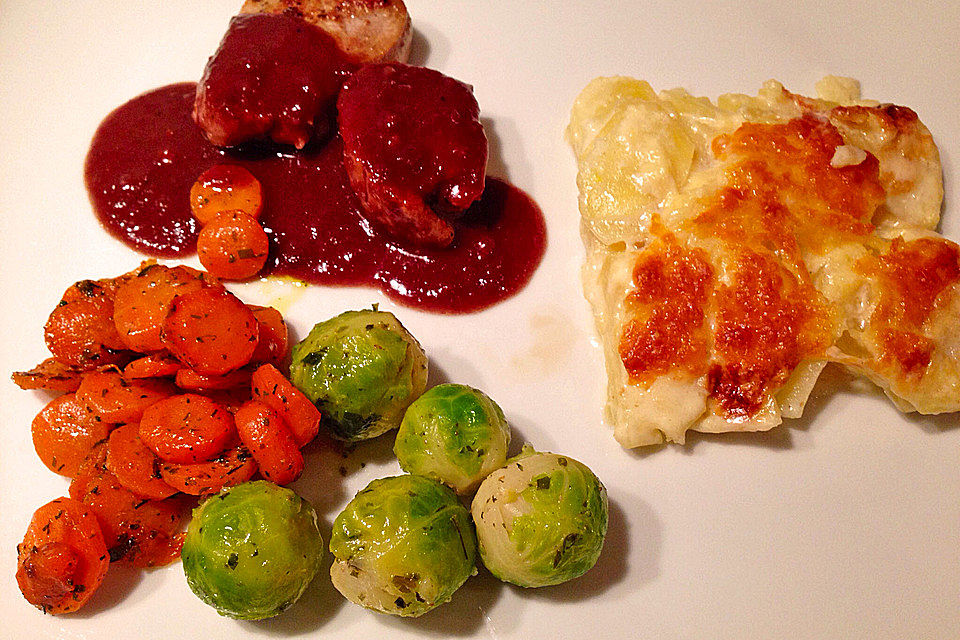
(733, 249)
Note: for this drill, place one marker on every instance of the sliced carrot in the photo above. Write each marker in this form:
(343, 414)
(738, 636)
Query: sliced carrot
(155, 365)
(51, 374)
(230, 468)
(137, 531)
(268, 438)
(113, 398)
(63, 557)
(187, 428)
(190, 380)
(142, 303)
(223, 187)
(232, 399)
(84, 288)
(273, 342)
(64, 433)
(80, 331)
(233, 246)
(134, 465)
(210, 331)
(274, 390)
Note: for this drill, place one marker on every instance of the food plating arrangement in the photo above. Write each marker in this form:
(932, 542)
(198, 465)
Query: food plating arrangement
(341, 385)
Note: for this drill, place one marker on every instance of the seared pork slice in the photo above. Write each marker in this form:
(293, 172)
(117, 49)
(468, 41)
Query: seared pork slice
(273, 77)
(365, 30)
(413, 148)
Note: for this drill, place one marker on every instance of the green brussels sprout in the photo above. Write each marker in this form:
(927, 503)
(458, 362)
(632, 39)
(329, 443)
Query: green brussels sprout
(402, 546)
(251, 551)
(455, 434)
(362, 369)
(541, 519)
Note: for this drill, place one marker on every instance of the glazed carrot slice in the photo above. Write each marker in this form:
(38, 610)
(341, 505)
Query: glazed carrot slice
(80, 331)
(155, 365)
(134, 465)
(274, 390)
(63, 557)
(137, 531)
(232, 467)
(190, 380)
(233, 246)
(272, 345)
(142, 303)
(232, 399)
(268, 438)
(113, 398)
(210, 331)
(187, 428)
(223, 187)
(64, 433)
(51, 374)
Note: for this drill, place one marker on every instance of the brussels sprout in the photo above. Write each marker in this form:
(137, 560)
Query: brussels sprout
(362, 369)
(540, 520)
(454, 434)
(402, 546)
(250, 552)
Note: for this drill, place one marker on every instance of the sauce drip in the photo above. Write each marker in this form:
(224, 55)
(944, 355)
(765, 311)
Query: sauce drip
(148, 152)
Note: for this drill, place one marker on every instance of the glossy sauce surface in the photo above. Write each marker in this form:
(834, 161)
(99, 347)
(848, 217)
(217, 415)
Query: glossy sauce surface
(147, 153)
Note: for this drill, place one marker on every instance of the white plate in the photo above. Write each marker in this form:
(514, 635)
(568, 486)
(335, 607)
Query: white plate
(843, 524)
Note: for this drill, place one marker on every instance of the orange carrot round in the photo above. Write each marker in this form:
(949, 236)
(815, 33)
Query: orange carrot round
(143, 302)
(187, 428)
(273, 389)
(51, 374)
(80, 331)
(232, 398)
(112, 398)
(190, 380)
(268, 438)
(232, 467)
(211, 331)
(64, 433)
(63, 557)
(134, 465)
(223, 187)
(155, 365)
(273, 342)
(137, 531)
(233, 246)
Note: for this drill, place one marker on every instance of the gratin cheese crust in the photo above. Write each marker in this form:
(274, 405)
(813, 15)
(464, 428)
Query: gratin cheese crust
(735, 248)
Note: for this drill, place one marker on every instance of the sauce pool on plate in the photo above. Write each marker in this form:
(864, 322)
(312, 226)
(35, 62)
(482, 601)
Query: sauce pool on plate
(148, 152)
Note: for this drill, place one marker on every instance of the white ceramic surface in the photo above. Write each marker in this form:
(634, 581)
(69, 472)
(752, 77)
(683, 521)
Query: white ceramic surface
(844, 524)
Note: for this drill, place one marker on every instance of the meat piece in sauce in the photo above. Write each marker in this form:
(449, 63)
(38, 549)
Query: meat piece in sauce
(414, 149)
(365, 30)
(273, 77)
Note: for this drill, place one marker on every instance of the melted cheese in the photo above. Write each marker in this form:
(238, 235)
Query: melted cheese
(733, 249)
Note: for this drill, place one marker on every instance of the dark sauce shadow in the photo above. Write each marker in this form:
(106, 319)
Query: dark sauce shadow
(496, 166)
(436, 375)
(777, 438)
(949, 169)
(322, 481)
(419, 49)
(463, 616)
(378, 451)
(117, 585)
(517, 439)
(934, 424)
